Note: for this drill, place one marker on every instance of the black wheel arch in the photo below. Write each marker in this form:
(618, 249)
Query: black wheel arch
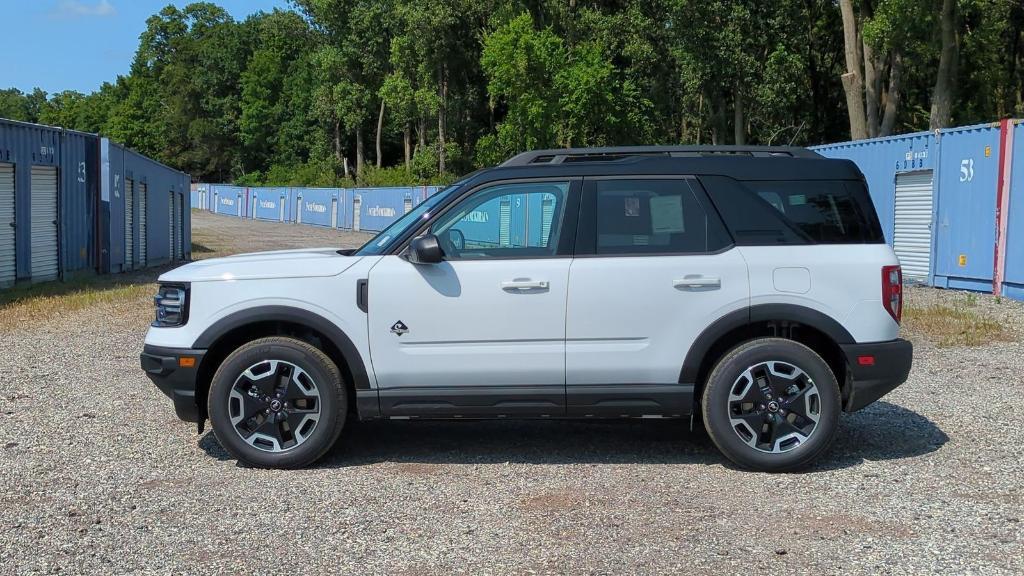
(817, 330)
(226, 334)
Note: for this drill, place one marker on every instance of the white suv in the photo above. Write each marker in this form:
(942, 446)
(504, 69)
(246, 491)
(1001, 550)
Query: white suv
(750, 286)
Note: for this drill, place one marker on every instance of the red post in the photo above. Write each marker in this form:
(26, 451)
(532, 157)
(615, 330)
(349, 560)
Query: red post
(1002, 203)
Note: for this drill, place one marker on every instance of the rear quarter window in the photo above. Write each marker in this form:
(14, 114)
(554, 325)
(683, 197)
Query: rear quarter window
(772, 212)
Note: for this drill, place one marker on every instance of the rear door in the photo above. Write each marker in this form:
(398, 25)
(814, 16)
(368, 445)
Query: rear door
(482, 332)
(654, 267)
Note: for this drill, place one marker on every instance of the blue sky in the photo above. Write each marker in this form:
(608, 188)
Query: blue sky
(78, 44)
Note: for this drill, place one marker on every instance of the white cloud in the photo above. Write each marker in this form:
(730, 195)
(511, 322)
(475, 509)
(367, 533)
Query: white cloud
(80, 8)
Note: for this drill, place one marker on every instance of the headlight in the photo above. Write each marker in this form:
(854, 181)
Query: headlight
(171, 303)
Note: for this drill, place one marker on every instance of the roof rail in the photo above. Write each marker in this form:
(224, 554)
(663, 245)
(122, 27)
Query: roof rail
(612, 154)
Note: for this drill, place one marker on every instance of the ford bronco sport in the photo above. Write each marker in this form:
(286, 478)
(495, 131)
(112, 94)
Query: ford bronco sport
(750, 287)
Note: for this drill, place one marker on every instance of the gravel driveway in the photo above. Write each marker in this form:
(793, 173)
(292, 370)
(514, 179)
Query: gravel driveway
(99, 476)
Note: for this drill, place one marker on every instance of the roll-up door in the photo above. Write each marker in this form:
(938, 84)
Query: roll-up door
(170, 226)
(129, 224)
(912, 233)
(44, 223)
(143, 215)
(8, 258)
(179, 227)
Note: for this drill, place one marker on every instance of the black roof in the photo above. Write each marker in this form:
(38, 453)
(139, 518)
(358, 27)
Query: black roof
(739, 162)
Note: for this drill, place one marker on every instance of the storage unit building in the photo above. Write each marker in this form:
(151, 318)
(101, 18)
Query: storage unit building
(48, 202)
(63, 196)
(950, 203)
(147, 206)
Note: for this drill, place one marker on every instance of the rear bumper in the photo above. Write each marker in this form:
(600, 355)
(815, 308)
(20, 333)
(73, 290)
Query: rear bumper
(877, 368)
(177, 382)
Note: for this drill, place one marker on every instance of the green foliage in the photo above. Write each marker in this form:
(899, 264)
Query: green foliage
(293, 98)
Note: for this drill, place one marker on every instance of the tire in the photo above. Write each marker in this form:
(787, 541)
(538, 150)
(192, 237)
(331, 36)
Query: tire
(772, 405)
(277, 403)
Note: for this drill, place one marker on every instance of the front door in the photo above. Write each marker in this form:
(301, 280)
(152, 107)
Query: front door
(653, 269)
(482, 332)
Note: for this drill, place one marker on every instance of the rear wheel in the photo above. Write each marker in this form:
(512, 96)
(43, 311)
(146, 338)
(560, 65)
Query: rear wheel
(277, 403)
(772, 405)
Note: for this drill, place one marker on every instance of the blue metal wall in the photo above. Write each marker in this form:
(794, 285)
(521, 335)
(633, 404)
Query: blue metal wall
(90, 198)
(1014, 278)
(318, 206)
(75, 155)
(118, 164)
(964, 229)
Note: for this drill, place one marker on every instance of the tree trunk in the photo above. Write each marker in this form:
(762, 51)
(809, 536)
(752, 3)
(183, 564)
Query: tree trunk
(407, 141)
(421, 133)
(853, 82)
(442, 92)
(872, 89)
(892, 99)
(380, 130)
(740, 128)
(359, 151)
(337, 148)
(945, 80)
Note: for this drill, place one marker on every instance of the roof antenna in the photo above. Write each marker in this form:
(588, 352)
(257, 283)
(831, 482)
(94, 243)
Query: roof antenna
(797, 133)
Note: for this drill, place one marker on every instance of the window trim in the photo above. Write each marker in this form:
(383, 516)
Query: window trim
(570, 217)
(586, 228)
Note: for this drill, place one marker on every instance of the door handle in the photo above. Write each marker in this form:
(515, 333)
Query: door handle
(526, 284)
(697, 281)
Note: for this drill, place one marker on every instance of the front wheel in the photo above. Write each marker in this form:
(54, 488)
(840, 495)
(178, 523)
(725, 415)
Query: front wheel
(277, 403)
(772, 405)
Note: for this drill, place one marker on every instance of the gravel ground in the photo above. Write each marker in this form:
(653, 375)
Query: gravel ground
(100, 476)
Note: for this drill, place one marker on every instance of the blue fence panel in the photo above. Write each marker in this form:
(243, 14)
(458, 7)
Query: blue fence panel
(968, 169)
(228, 200)
(317, 206)
(270, 204)
(379, 207)
(1014, 276)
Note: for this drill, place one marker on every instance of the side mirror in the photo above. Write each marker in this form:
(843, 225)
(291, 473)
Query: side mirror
(425, 250)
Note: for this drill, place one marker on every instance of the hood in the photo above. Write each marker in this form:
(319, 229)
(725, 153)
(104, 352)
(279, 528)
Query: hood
(304, 263)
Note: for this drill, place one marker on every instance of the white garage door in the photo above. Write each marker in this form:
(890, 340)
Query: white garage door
(143, 215)
(912, 234)
(8, 262)
(44, 223)
(129, 223)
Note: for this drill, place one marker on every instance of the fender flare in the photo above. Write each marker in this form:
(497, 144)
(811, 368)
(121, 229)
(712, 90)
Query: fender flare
(751, 315)
(314, 321)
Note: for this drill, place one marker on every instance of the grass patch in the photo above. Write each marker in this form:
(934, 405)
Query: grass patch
(957, 325)
(38, 302)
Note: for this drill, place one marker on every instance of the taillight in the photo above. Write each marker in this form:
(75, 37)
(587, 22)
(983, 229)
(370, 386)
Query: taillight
(892, 291)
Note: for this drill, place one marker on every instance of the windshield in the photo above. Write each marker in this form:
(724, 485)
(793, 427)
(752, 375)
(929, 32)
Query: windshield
(380, 243)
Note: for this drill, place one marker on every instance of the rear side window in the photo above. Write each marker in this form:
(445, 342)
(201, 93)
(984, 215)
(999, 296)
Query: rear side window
(650, 216)
(796, 212)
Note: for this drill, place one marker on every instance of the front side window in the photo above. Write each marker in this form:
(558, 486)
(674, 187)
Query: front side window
(648, 216)
(519, 220)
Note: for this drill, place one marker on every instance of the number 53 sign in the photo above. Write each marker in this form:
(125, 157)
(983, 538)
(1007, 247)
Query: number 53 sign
(967, 169)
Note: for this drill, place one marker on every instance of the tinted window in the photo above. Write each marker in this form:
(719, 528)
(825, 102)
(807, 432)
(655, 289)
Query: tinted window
(828, 211)
(795, 212)
(652, 217)
(520, 220)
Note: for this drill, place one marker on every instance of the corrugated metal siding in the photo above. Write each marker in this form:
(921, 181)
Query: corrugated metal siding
(912, 237)
(44, 224)
(8, 251)
(966, 177)
(143, 196)
(129, 224)
(1014, 276)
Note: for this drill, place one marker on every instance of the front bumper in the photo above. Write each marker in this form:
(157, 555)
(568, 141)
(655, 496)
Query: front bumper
(876, 368)
(176, 381)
